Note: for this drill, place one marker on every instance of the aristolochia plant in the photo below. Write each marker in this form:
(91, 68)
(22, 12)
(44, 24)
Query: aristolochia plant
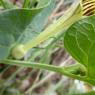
(20, 30)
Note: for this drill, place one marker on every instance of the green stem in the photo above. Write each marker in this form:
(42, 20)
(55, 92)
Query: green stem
(25, 4)
(3, 4)
(32, 64)
(67, 71)
(62, 70)
(33, 2)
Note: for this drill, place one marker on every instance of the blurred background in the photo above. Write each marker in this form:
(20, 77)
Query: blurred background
(28, 81)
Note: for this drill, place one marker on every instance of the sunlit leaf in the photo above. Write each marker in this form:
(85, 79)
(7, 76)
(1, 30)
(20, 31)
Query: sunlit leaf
(79, 40)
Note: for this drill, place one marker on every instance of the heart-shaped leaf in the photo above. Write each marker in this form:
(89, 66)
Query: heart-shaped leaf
(79, 40)
(21, 25)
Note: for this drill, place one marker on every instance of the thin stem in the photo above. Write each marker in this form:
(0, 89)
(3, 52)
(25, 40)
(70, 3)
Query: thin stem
(64, 71)
(54, 87)
(10, 78)
(32, 64)
(14, 74)
(46, 78)
(3, 4)
(25, 4)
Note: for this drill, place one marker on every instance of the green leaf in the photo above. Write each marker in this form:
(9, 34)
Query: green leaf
(88, 93)
(17, 26)
(40, 20)
(79, 41)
